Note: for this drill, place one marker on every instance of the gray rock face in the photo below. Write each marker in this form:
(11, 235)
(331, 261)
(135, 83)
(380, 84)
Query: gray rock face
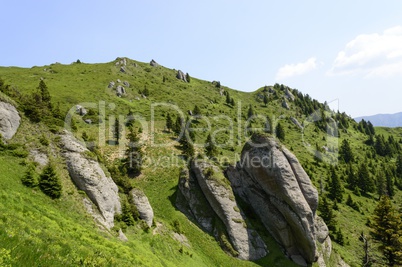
(203, 197)
(120, 91)
(9, 120)
(89, 177)
(126, 83)
(285, 104)
(111, 84)
(39, 157)
(145, 210)
(192, 202)
(289, 95)
(122, 236)
(153, 63)
(123, 69)
(296, 122)
(81, 110)
(270, 179)
(181, 76)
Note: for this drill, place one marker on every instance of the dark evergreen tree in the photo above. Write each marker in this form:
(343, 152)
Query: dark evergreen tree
(49, 182)
(387, 229)
(196, 111)
(117, 130)
(44, 93)
(187, 144)
(250, 112)
(210, 147)
(228, 101)
(345, 152)
(29, 179)
(326, 213)
(280, 132)
(335, 187)
(169, 122)
(126, 213)
(265, 99)
(364, 180)
(134, 155)
(178, 125)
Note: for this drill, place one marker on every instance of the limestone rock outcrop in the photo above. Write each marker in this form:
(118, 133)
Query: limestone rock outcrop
(270, 179)
(181, 76)
(208, 196)
(88, 176)
(9, 120)
(144, 208)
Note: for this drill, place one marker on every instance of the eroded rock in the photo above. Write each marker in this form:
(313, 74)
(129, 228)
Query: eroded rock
(270, 179)
(88, 176)
(144, 208)
(9, 120)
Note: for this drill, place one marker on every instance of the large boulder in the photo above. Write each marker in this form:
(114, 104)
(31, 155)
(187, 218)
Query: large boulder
(270, 179)
(9, 120)
(153, 63)
(141, 202)
(88, 176)
(208, 196)
(120, 91)
(181, 76)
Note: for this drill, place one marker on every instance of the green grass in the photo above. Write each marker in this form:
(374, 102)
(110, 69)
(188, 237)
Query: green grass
(37, 229)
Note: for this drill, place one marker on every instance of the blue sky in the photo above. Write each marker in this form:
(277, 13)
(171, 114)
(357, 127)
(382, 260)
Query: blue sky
(349, 51)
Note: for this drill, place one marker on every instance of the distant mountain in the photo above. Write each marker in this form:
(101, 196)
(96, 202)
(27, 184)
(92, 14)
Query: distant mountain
(385, 120)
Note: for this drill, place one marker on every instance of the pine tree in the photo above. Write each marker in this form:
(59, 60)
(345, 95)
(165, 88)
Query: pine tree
(49, 182)
(364, 180)
(210, 147)
(134, 155)
(232, 102)
(196, 111)
(326, 213)
(250, 112)
(29, 179)
(345, 152)
(335, 187)
(228, 101)
(387, 229)
(187, 145)
(280, 132)
(169, 122)
(117, 130)
(126, 214)
(44, 93)
(178, 125)
(265, 99)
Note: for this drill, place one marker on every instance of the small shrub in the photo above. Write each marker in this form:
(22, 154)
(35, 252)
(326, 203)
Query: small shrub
(49, 182)
(29, 179)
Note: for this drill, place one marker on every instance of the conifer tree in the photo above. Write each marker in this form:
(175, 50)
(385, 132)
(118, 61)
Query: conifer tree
(134, 155)
(169, 122)
(387, 229)
(178, 125)
(345, 152)
(210, 147)
(29, 179)
(117, 130)
(196, 111)
(364, 180)
(280, 132)
(335, 187)
(265, 99)
(49, 182)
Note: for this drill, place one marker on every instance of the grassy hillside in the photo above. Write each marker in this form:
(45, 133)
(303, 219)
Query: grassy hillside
(34, 228)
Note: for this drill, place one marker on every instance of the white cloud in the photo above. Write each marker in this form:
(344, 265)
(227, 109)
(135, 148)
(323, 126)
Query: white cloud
(371, 55)
(290, 70)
